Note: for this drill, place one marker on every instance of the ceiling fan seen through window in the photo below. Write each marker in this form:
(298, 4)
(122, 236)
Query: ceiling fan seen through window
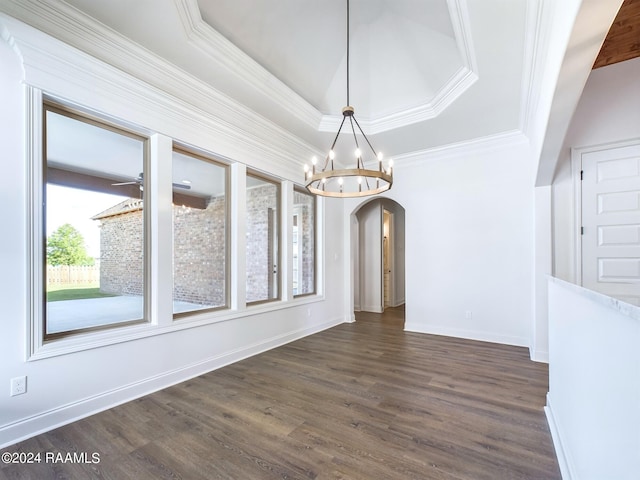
(140, 179)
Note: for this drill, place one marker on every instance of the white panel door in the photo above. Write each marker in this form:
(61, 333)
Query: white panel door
(611, 222)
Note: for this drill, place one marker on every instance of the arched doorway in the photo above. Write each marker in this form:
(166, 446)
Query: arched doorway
(378, 228)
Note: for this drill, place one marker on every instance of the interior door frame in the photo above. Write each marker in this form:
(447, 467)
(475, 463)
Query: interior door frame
(390, 260)
(576, 174)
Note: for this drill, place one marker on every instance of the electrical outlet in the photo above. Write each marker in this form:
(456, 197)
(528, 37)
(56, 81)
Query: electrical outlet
(468, 314)
(18, 386)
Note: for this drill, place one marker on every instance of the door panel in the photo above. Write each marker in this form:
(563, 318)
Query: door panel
(618, 235)
(611, 222)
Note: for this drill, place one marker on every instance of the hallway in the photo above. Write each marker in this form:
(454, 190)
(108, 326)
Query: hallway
(392, 317)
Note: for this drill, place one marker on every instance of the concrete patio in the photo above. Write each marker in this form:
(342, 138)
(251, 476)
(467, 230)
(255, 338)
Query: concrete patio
(67, 315)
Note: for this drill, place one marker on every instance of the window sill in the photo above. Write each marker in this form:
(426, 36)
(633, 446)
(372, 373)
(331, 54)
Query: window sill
(89, 340)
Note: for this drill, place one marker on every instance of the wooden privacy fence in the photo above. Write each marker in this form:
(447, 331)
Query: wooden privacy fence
(72, 274)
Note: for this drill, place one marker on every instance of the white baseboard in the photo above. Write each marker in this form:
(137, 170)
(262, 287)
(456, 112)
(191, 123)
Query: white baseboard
(371, 308)
(563, 459)
(28, 427)
(398, 302)
(539, 355)
(468, 334)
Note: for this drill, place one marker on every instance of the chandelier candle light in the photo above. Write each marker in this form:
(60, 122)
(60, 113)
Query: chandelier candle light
(349, 182)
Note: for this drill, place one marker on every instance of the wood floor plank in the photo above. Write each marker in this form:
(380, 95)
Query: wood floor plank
(358, 401)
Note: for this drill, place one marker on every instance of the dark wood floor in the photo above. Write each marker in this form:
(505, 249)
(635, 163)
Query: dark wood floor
(358, 401)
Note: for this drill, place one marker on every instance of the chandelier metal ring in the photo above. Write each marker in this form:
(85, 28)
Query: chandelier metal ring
(320, 178)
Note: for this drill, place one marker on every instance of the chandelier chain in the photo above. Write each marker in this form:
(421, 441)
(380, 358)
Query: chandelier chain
(348, 38)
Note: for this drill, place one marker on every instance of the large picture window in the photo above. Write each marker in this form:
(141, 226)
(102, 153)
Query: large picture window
(94, 224)
(109, 245)
(199, 234)
(262, 221)
(303, 238)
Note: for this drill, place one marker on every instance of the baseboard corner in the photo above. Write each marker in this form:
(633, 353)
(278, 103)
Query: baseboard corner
(563, 460)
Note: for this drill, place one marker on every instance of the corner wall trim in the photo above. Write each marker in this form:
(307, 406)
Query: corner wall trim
(538, 355)
(563, 459)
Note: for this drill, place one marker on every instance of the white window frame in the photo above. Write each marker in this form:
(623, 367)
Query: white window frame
(280, 264)
(297, 212)
(158, 268)
(40, 342)
(183, 150)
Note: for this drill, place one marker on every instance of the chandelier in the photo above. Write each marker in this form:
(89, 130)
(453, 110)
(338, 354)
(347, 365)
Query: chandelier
(349, 182)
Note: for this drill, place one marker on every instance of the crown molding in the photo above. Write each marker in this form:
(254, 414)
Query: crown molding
(459, 82)
(209, 41)
(466, 149)
(79, 30)
(456, 86)
(85, 52)
(535, 39)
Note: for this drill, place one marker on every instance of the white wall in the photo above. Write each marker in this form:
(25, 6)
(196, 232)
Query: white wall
(543, 266)
(470, 247)
(64, 387)
(593, 397)
(469, 241)
(593, 405)
(608, 111)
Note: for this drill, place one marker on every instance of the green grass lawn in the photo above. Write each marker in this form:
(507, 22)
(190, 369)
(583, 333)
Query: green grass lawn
(74, 292)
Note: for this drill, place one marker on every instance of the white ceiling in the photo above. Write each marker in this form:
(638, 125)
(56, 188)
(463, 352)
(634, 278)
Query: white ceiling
(304, 45)
(424, 73)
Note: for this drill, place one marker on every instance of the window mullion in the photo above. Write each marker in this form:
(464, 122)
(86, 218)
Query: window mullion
(286, 221)
(238, 230)
(158, 197)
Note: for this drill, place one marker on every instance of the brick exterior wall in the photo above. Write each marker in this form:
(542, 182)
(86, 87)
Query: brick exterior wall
(199, 255)
(121, 249)
(262, 201)
(305, 205)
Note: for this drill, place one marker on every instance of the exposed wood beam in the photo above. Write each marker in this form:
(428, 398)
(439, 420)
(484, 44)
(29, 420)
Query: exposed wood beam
(623, 40)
